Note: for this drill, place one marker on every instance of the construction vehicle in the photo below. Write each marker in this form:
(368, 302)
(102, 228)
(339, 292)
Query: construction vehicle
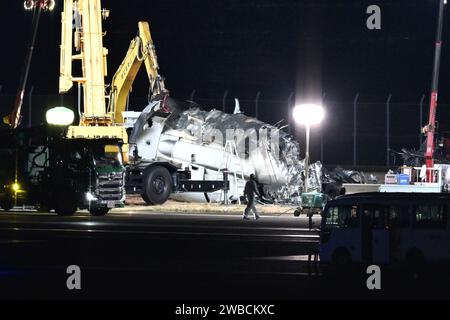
(82, 30)
(42, 168)
(427, 170)
(154, 177)
(64, 167)
(141, 50)
(168, 158)
(430, 129)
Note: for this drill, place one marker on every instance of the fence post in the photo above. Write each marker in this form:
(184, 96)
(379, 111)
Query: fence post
(355, 119)
(224, 100)
(421, 119)
(388, 132)
(258, 95)
(30, 106)
(290, 120)
(191, 97)
(324, 95)
(80, 88)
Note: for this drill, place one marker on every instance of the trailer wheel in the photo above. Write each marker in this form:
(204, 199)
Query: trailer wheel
(65, 205)
(157, 185)
(97, 212)
(7, 203)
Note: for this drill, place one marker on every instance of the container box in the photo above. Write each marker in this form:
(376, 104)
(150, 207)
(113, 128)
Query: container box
(391, 178)
(404, 179)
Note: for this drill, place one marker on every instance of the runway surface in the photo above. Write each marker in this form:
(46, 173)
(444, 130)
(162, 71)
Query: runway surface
(140, 255)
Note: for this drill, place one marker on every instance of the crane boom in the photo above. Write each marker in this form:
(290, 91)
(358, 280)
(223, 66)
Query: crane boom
(87, 40)
(140, 50)
(87, 15)
(430, 129)
(13, 119)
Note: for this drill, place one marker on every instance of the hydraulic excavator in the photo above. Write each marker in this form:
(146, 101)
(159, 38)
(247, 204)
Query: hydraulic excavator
(148, 174)
(82, 24)
(155, 179)
(141, 50)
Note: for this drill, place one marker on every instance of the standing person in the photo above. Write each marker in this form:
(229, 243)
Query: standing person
(251, 188)
(310, 214)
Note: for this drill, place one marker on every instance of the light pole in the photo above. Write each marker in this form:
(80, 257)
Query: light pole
(308, 115)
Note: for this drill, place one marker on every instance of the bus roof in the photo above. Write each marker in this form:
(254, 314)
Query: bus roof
(380, 196)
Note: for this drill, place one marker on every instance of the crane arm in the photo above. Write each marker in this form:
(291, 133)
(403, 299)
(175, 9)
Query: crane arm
(83, 41)
(14, 118)
(430, 129)
(141, 50)
(65, 73)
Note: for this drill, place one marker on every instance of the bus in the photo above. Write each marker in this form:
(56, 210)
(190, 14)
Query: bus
(385, 228)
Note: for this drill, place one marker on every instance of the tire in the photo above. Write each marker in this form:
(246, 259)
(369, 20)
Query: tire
(66, 205)
(297, 213)
(7, 203)
(97, 212)
(341, 258)
(157, 185)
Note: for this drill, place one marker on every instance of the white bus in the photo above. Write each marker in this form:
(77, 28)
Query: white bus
(384, 228)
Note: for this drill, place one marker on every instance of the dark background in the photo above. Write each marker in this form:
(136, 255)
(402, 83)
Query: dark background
(276, 47)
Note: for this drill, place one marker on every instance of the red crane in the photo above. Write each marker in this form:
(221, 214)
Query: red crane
(430, 128)
(13, 119)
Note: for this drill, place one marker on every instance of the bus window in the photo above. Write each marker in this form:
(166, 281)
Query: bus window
(341, 217)
(380, 217)
(399, 216)
(430, 216)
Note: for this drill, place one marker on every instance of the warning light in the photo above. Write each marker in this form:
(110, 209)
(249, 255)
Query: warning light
(47, 5)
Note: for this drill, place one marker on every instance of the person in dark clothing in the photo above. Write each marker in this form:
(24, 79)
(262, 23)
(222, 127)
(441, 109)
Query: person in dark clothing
(251, 188)
(310, 214)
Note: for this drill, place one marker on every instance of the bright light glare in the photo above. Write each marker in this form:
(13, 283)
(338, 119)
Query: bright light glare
(90, 197)
(51, 5)
(60, 116)
(43, 4)
(308, 114)
(28, 5)
(16, 187)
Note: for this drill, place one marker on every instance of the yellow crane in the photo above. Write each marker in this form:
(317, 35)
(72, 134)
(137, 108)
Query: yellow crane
(152, 178)
(141, 50)
(82, 40)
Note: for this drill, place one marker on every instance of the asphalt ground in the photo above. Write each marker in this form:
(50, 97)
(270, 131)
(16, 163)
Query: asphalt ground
(134, 254)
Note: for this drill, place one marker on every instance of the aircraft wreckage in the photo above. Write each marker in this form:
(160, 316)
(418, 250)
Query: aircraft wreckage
(206, 142)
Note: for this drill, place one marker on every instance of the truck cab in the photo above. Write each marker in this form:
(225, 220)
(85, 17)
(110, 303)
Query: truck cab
(50, 172)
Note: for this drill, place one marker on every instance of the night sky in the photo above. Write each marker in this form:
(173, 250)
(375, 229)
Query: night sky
(276, 47)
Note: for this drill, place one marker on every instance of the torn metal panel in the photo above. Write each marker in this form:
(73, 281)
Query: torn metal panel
(196, 138)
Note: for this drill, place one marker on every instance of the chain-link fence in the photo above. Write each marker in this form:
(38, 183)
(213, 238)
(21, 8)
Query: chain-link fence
(354, 133)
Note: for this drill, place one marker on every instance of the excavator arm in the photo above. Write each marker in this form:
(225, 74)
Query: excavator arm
(141, 50)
